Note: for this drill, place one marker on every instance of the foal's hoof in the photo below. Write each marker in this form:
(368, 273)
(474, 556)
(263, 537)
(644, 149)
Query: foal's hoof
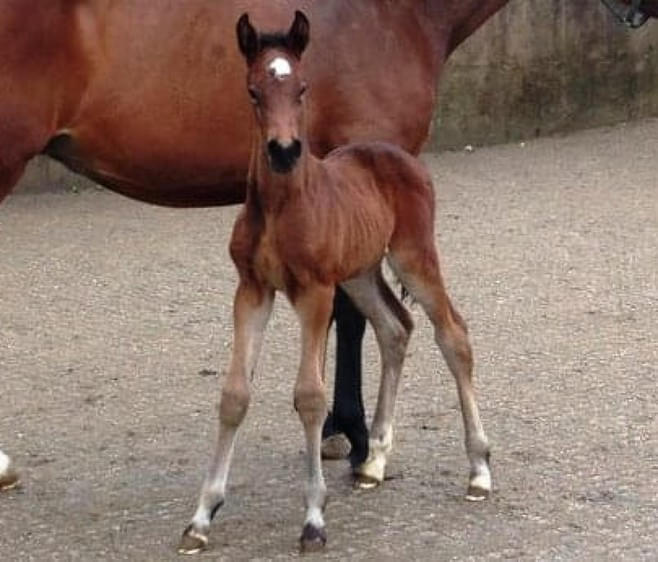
(476, 494)
(9, 480)
(312, 539)
(335, 447)
(192, 541)
(365, 482)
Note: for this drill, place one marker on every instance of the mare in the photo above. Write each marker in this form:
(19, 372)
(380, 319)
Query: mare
(146, 98)
(309, 225)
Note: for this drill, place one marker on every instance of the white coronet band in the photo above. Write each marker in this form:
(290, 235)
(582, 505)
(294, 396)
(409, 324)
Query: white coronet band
(315, 518)
(5, 461)
(482, 481)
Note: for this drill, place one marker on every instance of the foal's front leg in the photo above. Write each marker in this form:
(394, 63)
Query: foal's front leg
(251, 310)
(313, 307)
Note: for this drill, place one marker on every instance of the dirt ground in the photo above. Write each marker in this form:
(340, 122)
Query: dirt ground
(115, 327)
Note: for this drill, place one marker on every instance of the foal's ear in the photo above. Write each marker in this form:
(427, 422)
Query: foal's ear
(299, 34)
(247, 38)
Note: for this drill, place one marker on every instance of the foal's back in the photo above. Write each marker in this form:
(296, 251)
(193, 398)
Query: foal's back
(375, 191)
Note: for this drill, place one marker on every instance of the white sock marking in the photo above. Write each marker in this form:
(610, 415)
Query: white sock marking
(315, 518)
(5, 461)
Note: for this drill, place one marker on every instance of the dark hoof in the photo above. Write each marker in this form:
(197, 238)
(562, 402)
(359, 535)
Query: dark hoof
(9, 480)
(363, 482)
(476, 494)
(335, 447)
(192, 541)
(312, 539)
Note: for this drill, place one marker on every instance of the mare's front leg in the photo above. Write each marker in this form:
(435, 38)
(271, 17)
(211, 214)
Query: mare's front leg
(313, 307)
(251, 310)
(8, 476)
(12, 165)
(348, 414)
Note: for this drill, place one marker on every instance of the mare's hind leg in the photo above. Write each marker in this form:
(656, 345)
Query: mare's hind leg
(251, 311)
(392, 325)
(348, 414)
(416, 264)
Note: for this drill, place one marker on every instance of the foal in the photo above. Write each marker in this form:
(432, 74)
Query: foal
(307, 226)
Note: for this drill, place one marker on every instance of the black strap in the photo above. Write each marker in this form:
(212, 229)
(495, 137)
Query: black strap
(630, 15)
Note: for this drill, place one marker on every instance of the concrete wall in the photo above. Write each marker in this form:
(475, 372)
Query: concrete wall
(538, 67)
(546, 66)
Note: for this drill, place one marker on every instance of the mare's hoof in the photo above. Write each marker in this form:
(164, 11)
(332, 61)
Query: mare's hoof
(335, 447)
(364, 482)
(192, 542)
(312, 539)
(476, 494)
(9, 480)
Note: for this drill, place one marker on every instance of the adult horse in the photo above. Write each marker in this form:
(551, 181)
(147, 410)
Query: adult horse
(143, 96)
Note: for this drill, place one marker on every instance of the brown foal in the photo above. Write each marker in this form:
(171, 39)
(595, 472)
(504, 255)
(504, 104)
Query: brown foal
(309, 225)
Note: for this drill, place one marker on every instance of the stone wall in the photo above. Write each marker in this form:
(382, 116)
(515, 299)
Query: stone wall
(546, 66)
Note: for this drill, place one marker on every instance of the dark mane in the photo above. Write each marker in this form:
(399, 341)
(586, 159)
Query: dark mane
(273, 41)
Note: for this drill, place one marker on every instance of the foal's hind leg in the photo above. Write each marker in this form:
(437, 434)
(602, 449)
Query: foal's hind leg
(392, 325)
(251, 311)
(417, 266)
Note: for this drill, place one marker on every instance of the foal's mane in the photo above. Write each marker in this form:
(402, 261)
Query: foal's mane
(276, 40)
(272, 41)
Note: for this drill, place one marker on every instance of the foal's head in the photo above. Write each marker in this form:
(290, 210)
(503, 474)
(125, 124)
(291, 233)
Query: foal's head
(276, 88)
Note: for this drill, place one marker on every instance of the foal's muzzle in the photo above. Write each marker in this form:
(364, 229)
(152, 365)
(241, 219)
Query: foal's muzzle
(284, 158)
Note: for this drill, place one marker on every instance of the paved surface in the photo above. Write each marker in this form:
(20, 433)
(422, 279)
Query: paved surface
(115, 322)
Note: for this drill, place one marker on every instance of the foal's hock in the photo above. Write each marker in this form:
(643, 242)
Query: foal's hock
(309, 225)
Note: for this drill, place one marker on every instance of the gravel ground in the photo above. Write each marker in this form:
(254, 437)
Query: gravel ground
(115, 328)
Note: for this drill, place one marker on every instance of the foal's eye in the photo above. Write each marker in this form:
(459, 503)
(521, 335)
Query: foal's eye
(253, 95)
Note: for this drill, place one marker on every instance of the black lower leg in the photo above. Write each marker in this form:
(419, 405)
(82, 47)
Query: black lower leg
(348, 414)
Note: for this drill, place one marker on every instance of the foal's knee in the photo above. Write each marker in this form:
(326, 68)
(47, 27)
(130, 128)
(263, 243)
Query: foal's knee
(310, 402)
(234, 404)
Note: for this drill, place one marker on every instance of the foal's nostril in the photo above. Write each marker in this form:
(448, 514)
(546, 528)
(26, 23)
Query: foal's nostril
(284, 158)
(296, 148)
